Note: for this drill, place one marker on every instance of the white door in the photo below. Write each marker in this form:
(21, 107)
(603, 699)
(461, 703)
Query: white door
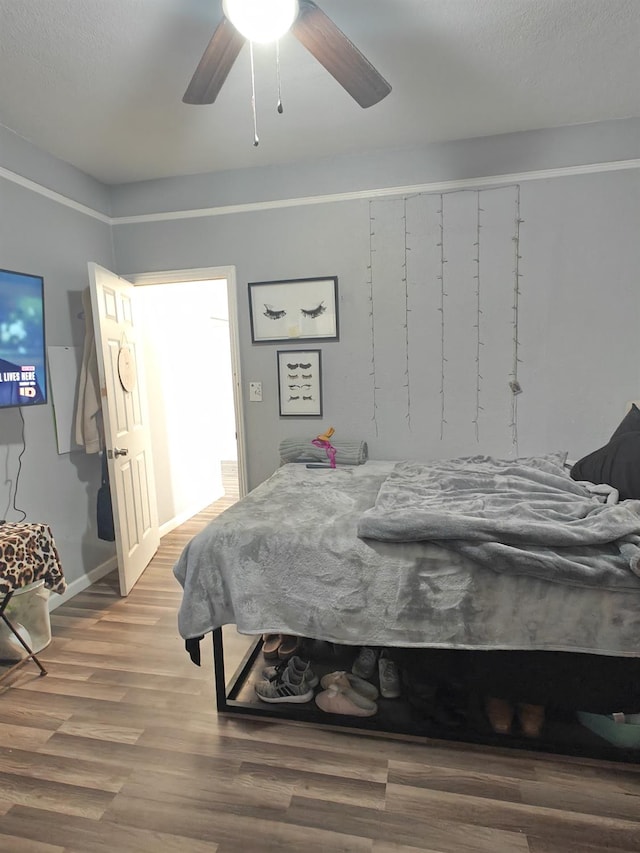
(127, 435)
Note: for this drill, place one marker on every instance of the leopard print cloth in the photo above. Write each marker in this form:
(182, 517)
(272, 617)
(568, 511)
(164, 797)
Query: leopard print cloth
(27, 554)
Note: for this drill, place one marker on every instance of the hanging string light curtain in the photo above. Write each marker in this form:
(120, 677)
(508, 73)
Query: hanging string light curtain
(443, 234)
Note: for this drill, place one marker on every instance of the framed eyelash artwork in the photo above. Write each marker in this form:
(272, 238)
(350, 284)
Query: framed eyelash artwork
(294, 309)
(300, 383)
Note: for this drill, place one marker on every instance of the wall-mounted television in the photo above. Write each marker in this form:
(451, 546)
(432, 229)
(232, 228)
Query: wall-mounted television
(23, 377)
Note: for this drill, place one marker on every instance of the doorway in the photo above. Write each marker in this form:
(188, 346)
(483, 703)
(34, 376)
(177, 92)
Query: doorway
(193, 389)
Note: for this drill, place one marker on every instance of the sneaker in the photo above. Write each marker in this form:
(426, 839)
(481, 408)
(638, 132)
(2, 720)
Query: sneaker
(335, 700)
(365, 664)
(274, 673)
(348, 679)
(389, 677)
(297, 665)
(289, 688)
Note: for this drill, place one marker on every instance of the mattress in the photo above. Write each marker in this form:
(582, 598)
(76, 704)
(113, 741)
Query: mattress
(287, 558)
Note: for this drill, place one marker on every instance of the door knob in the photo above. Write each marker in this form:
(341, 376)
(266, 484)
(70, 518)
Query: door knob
(120, 451)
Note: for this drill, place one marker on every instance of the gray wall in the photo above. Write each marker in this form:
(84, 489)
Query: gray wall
(578, 305)
(577, 145)
(41, 236)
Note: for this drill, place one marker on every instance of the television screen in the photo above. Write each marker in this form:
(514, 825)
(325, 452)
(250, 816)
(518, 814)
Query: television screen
(23, 379)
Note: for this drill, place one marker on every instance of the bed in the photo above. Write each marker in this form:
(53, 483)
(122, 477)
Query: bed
(288, 558)
(409, 555)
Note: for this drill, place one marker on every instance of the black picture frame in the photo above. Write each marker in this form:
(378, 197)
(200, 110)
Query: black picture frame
(300, 383)
(294, 309)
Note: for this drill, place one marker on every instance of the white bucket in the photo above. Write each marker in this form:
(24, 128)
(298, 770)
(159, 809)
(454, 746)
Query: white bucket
(28, 612)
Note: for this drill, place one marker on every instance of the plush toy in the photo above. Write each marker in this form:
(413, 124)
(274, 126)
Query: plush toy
(323, 441)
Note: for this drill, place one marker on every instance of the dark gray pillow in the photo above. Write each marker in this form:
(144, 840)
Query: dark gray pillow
(630, 422)
(617, 464)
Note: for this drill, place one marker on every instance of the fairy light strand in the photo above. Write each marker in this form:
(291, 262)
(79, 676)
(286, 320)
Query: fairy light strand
(478, 323)
(514, 384)
(372, 372)
(405, 279)
(443, 294)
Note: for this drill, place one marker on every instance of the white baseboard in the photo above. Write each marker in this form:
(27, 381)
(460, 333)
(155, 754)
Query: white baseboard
(82, 583)
(79, 584)
(177, 520)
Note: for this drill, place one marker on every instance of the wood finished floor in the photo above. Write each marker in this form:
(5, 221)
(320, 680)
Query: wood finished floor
(119, 749)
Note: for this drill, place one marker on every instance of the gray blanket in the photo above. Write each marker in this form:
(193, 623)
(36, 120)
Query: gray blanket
(525, 516)
(287, 558)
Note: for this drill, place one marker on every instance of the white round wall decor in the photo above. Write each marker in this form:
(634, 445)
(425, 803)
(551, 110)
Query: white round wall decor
(126, 368)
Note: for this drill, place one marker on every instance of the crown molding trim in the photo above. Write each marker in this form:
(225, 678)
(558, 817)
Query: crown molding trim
(485, 182)
(434, 187)
(28, 184)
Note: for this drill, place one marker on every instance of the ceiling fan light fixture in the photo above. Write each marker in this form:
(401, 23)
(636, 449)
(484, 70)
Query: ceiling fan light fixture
(261, 21)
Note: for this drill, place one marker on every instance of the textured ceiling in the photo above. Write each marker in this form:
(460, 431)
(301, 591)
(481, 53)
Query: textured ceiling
(98, 83)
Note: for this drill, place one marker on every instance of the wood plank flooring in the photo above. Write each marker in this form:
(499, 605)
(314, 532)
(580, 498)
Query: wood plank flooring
(120, 749)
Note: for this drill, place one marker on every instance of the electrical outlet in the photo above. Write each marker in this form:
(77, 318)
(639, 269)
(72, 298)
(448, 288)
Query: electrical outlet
(255, 392)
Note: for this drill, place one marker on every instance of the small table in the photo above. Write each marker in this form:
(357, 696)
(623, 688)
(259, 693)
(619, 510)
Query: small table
(27, 554)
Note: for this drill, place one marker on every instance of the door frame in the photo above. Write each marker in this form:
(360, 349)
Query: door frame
(207, 274)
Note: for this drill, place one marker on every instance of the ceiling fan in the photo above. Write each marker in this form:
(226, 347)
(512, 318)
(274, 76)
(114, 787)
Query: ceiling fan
(315, 31)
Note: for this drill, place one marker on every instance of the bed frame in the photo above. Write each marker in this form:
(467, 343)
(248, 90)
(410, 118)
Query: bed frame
(236, 698)
(209, 572)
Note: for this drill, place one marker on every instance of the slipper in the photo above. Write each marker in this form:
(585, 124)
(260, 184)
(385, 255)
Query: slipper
(270, 645)
(347, 680)
(289, 646)
(500, 714)
(348, 702)
(531, 719)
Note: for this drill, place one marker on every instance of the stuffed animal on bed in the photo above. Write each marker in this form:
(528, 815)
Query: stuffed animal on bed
(323, 441)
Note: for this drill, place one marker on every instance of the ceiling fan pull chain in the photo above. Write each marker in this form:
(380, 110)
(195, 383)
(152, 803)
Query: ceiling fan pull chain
(280, 109)
(256, 140)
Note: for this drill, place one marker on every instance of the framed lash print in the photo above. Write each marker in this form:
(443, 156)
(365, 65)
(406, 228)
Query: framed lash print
(295, 309)
(300, 383)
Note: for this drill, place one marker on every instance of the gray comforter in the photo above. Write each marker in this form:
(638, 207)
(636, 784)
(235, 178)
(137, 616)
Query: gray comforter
(525, 516)
(287, 558)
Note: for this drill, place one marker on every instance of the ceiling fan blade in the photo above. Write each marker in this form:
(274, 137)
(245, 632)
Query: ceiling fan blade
(342, 59)
(217, 60)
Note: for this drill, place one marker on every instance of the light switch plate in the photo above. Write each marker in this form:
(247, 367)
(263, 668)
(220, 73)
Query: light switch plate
(255, 392)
